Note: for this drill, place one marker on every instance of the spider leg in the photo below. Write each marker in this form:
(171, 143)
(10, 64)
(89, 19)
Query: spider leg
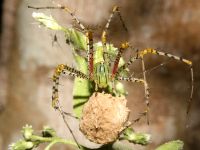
(89, 36)
(144, 78)
(89, 41)
(119, 54)
(63, 8)
(126, 65)
(188, 62)
(131, 79)
(115, 10)
(63, 69)
(146, 90)
(90, 54)
(139, 117)
(104, 33)
(146, 87)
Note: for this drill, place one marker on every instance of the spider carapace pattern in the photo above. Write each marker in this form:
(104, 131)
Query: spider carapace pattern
(102, 73)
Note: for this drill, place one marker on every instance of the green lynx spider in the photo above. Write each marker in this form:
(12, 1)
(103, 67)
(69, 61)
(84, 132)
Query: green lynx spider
(100, 73)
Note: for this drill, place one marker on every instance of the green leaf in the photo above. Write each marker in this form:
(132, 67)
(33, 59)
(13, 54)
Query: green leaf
(47, 21)
(172, 145)
(21, 145)
(75, 38)
(81, 89)
(137, 138)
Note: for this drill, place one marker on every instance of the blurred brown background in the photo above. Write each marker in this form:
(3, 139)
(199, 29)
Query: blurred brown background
(28, 58)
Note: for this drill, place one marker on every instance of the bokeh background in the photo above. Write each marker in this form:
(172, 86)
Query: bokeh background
(28, 57)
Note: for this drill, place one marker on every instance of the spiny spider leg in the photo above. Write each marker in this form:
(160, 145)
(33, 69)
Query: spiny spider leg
(153, 51)
(146, 89)
(67, 125)
(141, 115)
(63, 8)
(140, 55)
(126, 65)
(131, 79)
(116, 71)
(119, 54)
(63, 69)
(104, 33)
(154, 68)
(90, 54)
(88, 33)
(123, 67)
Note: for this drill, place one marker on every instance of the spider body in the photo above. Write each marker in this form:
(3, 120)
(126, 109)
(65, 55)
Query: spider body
(99, 70)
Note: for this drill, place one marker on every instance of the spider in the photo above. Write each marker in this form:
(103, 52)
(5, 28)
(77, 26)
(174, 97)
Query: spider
(101, 73)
